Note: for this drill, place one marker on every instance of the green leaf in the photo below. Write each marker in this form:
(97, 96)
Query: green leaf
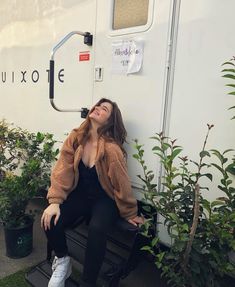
(218, 167)
(160, 155)
(146, 208)
(196, 163)
(231, 168)
(158, 264)
(228, 63)
(156, 148)
(176, 152)
(136, 156)
(204, 153)
(229, 70)
(160, 256)
(231, 189)
(229, 76)
(155, 138)
(230, 85)
(206, 205)
(216, 203)
(150, 177)
(149, 172)
(228, 150)
(231, 93)
(232, 217)
(208, 175)
(40, 137)
(138, 146)
(218, 154)
(165, 146)
(140, 177)
(185, 227)
(154, 241)
(173, 216)
(147, 248)
(177, 146)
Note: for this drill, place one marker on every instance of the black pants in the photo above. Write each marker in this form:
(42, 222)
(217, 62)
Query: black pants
(102, 212)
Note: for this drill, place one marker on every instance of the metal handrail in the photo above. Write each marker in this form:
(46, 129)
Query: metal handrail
(88, 41)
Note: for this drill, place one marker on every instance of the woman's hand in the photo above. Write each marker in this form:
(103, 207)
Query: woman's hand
(136, 220)
(51, 210)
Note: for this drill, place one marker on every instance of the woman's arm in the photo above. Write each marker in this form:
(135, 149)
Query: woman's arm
(123, 194)
(117, 172)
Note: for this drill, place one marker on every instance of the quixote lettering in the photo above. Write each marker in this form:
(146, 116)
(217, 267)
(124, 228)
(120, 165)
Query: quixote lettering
(25, 76)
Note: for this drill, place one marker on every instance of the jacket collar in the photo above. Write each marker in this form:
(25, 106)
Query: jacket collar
(100, 149)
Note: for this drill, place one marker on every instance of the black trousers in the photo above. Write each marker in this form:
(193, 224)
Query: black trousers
(102, 212)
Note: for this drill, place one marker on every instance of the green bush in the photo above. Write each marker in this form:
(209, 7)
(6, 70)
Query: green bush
(25, 163)
(202, 232)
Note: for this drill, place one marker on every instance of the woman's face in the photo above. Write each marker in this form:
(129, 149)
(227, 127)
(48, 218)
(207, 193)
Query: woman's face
(101, 113)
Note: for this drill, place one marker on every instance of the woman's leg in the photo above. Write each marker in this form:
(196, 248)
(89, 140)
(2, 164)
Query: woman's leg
(70, 211)
(103, 215)
(72, 208)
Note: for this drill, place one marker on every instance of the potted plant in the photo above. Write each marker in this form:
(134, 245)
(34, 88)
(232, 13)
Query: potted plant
(25, 163)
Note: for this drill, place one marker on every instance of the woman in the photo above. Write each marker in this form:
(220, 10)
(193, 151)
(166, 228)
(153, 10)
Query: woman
(90, 178)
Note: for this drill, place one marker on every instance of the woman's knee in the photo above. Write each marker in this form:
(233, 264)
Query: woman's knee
(59, 226)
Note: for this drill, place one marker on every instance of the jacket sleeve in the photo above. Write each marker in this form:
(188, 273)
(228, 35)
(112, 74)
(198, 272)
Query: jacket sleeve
(62, 176)
(123, 195)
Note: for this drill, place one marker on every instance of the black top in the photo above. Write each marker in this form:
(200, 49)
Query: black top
(88, 183)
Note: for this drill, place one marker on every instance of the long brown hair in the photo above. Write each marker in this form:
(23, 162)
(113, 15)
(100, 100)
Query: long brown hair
(113, 131)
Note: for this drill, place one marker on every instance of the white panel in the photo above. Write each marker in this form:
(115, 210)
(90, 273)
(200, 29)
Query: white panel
(27, 35)
(205, 41)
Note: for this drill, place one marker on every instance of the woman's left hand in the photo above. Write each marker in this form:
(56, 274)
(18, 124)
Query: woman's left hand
(136, 220)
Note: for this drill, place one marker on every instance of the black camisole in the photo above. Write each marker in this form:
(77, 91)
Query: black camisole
(88, 184)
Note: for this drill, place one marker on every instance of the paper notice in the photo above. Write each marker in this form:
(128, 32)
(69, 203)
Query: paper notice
(127, 56)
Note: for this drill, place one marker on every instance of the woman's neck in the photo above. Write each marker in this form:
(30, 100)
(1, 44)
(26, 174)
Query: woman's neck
(93, 133)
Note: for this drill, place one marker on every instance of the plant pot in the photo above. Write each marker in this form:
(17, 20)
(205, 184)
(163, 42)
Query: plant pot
(19, 240)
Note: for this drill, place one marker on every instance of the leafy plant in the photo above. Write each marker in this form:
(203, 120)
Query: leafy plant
(229, 73)
(202, 232)
(25, 163)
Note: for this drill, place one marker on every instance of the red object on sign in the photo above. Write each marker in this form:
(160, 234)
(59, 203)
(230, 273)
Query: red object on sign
(84, 56)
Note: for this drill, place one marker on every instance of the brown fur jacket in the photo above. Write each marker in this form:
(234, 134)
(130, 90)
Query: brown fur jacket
(111, 169)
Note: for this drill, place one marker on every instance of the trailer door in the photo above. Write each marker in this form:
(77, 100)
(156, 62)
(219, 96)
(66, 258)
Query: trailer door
(140, 94)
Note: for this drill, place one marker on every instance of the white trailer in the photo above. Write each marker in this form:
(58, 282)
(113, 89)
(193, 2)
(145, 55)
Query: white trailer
(160, 60)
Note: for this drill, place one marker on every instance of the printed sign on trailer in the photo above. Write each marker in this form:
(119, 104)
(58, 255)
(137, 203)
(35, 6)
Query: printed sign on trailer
(84, 56)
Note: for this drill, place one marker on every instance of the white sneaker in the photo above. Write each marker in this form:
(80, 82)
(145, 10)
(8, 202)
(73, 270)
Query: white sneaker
(62, 269)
